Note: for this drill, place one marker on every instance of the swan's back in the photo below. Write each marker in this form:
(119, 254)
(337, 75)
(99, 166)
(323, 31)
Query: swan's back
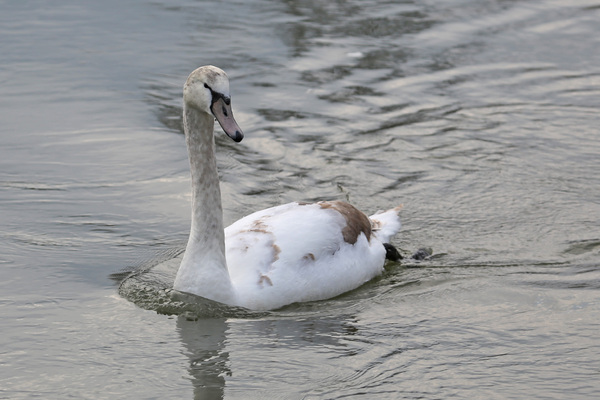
(302, 252)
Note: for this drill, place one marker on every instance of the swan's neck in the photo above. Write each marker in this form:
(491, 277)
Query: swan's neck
(203, 270)
(207, 212)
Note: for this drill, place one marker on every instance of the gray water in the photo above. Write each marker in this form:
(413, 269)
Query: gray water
(481, 117)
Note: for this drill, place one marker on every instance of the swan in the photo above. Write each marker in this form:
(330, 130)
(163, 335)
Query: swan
(295, 252)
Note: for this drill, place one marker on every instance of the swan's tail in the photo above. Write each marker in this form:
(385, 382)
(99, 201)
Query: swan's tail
(386, 224)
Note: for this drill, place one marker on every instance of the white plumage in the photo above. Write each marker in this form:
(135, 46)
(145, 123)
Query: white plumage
(290, 253)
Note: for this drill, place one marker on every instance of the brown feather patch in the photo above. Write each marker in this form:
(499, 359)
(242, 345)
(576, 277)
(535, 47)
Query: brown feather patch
(356, 220)
(276, 251)
(309, 257)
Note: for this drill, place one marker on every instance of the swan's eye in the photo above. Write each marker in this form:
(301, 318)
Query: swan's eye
(208, 87)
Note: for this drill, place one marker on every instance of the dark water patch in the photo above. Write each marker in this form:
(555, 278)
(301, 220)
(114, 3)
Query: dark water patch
(582, 247)
(381, 27)
(350, 94)
(326, 75)
(281, 115)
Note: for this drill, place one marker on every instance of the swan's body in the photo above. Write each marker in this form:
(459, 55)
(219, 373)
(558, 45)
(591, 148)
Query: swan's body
(290, 253)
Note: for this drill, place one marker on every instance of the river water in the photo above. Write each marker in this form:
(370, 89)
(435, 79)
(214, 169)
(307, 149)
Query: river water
(481, 117)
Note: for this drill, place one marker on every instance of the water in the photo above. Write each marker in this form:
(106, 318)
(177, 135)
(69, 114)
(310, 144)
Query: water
(481, 117)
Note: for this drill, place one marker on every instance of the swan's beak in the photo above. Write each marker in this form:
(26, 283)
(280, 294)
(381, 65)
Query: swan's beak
(221, 109)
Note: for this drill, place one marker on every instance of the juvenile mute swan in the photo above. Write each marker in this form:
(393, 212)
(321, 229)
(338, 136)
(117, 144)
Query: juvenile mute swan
(290, 253)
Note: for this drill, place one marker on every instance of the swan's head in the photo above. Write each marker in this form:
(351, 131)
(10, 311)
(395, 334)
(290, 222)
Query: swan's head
(207, 90)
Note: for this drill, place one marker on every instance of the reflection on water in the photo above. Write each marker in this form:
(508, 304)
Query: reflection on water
(481, 117)
(218, 349)
(209, 361)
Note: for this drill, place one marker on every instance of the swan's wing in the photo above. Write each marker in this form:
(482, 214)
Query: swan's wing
(288, 233)
(301, 252)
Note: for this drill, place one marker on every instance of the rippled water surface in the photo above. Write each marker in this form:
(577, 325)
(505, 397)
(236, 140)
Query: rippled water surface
(481, 117)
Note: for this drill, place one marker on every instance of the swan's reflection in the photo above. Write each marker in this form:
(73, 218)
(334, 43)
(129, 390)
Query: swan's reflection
(243, 349)
(204, 341)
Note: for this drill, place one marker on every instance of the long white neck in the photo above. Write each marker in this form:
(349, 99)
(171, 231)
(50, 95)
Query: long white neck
(203, 270)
